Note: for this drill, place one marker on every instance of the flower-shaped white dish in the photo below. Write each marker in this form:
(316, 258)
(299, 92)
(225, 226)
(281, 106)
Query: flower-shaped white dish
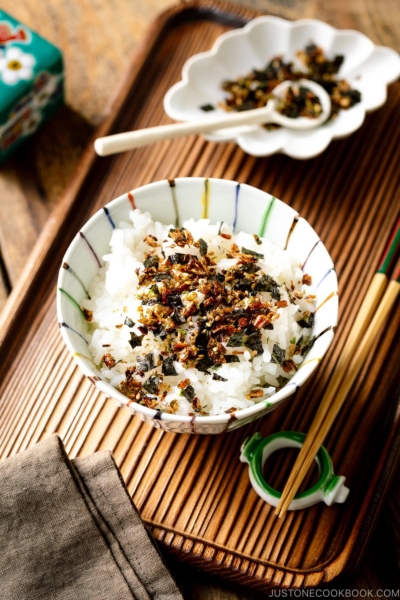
(246, 209)
(366, 67)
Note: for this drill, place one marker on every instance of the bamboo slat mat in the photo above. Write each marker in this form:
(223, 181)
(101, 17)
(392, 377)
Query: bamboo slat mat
(191, 490)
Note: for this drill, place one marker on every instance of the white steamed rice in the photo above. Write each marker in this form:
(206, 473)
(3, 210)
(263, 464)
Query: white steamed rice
(114, 296)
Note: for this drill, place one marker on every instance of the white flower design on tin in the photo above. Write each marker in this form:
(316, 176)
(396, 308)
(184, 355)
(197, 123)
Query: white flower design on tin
(16, 65)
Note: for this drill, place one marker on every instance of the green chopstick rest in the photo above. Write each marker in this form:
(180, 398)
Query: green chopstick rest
(31, 83)
(256, 450)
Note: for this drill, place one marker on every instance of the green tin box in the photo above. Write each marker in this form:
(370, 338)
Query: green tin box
(31, 83)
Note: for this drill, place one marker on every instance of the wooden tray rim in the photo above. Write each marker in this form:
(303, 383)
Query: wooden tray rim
(17, 304)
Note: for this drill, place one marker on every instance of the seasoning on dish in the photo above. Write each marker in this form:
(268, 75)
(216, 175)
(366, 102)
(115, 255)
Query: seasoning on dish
(255, 89)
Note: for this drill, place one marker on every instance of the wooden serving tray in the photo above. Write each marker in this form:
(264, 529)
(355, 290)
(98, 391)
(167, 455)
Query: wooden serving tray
(192, 491)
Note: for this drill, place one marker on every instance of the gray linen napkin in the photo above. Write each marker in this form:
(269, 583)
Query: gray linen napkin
(70, 531)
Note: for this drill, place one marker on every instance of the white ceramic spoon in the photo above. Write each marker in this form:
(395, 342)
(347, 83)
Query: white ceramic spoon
(121, 142)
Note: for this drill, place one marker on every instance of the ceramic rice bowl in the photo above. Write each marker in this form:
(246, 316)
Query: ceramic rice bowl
(243, 207)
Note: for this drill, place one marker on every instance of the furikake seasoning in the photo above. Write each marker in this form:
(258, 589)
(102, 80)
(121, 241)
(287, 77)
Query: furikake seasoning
(202, 317)
(255, 89)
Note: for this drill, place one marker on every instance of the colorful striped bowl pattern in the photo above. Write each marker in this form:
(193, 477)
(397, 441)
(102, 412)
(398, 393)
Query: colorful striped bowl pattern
(174, 201)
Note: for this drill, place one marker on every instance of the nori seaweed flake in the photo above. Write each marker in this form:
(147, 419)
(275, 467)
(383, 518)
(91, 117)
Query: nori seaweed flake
(128, 322)
(174, 300)
(278, 355)
(161, 332)
(136, 340)
(308, 345)
(162, 276)
(203, 247)
(257, 255)
(178, 317)
(168, 367)
(150, 301)
(354, 95)
(152, 384)
(310, 47)
(154, 290)
(217, 277)
(301, 102)
(203, 364)
(178, 258)
(188, 393)
(265, 283)
(217, 377)
(202, 340)
(251, 341)
(151, 261)
(254, 342)
(146, 363)
(307, 321)
(250, 268)
(237, 339)
(153, 297)
(243, 285)
(239, 312)
(231, 358)
(207, 107)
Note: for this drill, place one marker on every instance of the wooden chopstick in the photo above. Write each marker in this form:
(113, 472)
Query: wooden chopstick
(370, 318)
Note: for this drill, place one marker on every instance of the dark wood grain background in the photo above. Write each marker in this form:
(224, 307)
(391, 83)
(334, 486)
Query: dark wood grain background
(98, 39)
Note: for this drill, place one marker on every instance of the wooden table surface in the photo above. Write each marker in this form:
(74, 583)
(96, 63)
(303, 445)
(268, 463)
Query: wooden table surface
(98, 39)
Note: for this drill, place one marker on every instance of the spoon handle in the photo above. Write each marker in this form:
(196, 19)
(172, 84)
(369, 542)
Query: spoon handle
(121, 142)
